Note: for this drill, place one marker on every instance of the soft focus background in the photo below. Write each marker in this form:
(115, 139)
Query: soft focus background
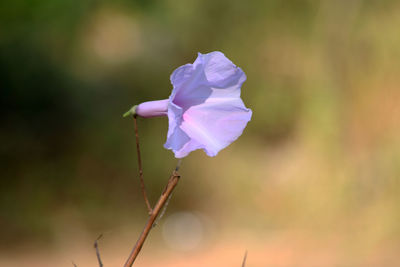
(313, 181)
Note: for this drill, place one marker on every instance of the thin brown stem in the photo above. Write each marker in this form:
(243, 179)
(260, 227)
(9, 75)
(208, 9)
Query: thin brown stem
(172, 182)
(146, 200)
(169, 198)
(163, 211)
(96, 246)
(244, 259)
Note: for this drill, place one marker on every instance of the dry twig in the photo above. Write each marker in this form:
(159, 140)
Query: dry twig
(244, 259)
(96, 246)
(169, 198)
(172, 182)
(146, 200)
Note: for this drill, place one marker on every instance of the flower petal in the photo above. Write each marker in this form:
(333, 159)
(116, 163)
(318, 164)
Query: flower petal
(220, 72)
(178, 141)
(175, 139)
(216, 123)
(193, 83)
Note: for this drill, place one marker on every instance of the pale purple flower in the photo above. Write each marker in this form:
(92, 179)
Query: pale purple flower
(204, 109)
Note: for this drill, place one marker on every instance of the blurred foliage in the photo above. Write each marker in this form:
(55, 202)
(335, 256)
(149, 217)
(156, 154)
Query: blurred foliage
(322, 151)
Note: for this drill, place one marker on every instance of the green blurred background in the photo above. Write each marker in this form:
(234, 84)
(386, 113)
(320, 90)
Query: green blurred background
(313, 181)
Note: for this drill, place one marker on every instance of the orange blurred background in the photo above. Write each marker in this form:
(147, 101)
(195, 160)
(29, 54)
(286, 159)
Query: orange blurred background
(313, 181)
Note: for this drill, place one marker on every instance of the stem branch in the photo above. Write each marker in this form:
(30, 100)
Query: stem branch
(172, 182)
(244, 259)
(96, 246)
(146, 200)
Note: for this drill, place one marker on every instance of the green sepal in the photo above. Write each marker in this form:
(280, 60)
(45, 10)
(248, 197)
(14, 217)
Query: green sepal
(132, 112)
